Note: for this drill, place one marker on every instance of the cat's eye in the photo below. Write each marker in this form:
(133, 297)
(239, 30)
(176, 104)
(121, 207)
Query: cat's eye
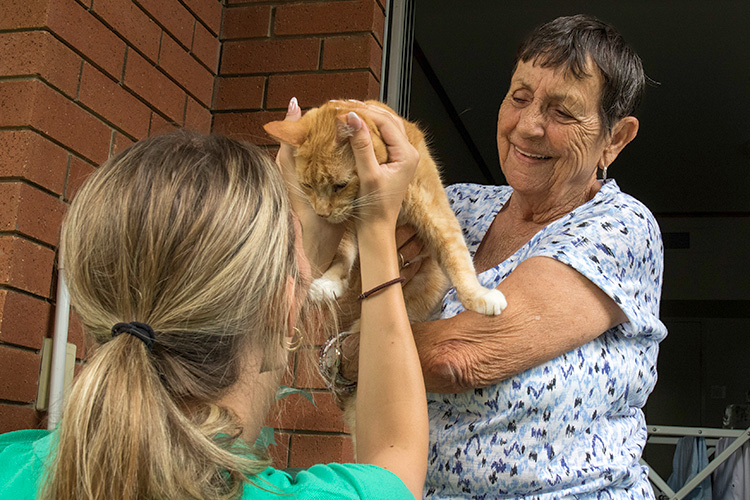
(338, 187)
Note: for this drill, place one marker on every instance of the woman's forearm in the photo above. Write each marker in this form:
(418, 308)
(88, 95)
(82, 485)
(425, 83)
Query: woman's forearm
(391, 410)
(320, 238)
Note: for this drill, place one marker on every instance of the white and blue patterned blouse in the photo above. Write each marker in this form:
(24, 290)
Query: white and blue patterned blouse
(572, 427)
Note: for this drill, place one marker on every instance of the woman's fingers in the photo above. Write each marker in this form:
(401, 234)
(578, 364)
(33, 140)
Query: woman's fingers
(285, 157)
(364, 155)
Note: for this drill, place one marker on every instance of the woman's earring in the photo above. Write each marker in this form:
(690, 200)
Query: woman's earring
(293, 345)
(604, 172)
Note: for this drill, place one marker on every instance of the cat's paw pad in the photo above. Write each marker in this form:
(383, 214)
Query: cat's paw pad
(491, 303)
(325, 288)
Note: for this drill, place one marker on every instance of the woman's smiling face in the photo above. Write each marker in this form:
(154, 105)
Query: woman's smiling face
(549, 134)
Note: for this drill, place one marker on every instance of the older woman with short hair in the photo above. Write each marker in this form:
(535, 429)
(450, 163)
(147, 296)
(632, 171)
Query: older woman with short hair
(544, 401)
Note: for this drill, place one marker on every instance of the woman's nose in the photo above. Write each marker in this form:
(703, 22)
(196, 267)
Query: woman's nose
(531, 121)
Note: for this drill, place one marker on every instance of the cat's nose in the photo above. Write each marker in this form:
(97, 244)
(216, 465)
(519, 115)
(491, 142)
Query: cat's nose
(323, 211)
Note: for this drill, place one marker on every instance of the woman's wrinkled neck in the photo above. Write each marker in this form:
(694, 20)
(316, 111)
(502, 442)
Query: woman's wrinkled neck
(547, 207)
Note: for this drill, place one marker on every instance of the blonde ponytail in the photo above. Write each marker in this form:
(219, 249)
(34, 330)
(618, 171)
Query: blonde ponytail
(191, 235)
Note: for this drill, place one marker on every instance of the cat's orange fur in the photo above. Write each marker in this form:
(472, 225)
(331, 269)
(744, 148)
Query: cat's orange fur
(327, 174)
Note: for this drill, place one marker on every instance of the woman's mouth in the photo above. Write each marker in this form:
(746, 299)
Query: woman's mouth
(528, 154)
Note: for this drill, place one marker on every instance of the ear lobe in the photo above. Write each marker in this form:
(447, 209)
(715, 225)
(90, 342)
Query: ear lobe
(623, 132)
(293, 133)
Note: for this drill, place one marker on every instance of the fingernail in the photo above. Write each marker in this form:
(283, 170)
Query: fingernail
(354, 121)
(293, 105)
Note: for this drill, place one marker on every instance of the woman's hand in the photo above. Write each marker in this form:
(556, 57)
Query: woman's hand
(320, 237)
(381, 186)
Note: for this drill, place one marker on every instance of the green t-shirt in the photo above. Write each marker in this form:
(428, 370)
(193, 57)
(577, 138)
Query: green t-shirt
(24, 453)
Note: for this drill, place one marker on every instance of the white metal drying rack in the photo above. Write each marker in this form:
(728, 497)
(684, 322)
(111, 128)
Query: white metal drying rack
(666, 434)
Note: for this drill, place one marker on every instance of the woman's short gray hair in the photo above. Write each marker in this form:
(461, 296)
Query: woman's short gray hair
(569, 42)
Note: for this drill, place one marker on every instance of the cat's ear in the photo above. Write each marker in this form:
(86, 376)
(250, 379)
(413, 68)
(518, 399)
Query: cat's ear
(293, 133)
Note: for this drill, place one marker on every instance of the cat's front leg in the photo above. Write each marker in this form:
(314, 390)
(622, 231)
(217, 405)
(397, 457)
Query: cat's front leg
(335, 281)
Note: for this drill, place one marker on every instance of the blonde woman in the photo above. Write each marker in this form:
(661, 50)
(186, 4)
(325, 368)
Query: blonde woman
(185, 264)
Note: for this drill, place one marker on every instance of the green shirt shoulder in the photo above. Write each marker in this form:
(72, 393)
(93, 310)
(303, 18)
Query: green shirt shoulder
(23, 455)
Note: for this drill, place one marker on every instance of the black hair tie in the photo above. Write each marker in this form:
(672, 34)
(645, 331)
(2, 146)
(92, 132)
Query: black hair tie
(141, 331)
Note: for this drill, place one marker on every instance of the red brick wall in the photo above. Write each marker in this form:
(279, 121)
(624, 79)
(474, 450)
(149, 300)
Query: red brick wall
(78, 81)
(81, 79)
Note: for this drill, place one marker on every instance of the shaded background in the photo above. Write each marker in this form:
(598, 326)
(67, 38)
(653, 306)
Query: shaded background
(690, 164)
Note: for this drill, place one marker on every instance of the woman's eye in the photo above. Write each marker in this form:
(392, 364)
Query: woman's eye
(338, 187)
(562, 114)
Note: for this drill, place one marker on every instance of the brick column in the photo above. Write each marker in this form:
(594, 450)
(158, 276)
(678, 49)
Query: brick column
(79, 80)
(314, 51)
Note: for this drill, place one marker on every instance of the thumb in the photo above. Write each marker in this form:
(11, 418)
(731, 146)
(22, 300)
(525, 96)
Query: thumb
(361, 143)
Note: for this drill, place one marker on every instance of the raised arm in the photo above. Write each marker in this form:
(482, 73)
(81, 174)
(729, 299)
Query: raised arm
(320, 238)
(391, 404)
(552, 309)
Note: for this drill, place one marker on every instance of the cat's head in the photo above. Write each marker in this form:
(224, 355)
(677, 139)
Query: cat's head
(324, 159)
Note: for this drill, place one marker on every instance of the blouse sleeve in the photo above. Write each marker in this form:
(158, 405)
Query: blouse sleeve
(616, 243)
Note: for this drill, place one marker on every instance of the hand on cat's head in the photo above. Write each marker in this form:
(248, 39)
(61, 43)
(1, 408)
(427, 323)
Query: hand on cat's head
(285, 156)
(389, 180)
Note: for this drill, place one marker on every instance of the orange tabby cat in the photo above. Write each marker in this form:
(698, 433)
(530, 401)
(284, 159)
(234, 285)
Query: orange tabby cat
(327, 175)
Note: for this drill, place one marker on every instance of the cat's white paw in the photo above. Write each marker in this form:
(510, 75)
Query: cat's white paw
(491, 303)
(325, 288)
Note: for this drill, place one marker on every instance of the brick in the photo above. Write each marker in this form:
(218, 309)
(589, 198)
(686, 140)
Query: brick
(327, 17)
(19, 14)
(19, 371)
(32, 103)
(186, 70)
(265, 56)
(206, 48)
(315, 89)
(243, 92)
(246, 22)
(28, 155)
(29, 211)
(26, 265)
(246, 126)
(132, 23)
(353, 52)
(16, 418)
(39, 53)
(24, 320)
(121, 142)
(176, 19)
(296, 412)
(161, 126)
(197, 117)
(113, 103)
(208, 11)
(74, 24)
(280, 451)
(79, 171)
(307, 450)
(154, 87)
